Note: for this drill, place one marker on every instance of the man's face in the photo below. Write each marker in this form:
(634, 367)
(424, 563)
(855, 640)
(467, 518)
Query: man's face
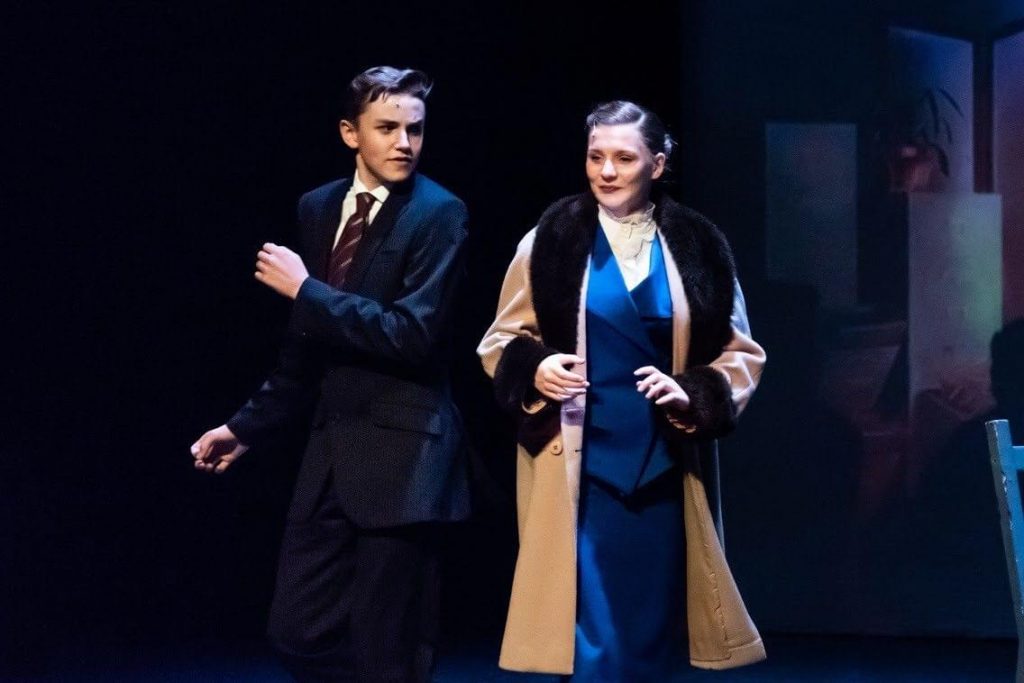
(387, 138)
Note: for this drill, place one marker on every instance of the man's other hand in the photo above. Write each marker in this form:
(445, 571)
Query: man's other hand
(217, 449)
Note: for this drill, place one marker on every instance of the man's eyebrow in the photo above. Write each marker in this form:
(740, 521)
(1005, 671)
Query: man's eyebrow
(383, 120)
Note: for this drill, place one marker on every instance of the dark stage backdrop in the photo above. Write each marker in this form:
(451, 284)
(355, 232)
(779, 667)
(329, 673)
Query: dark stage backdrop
(150, 149)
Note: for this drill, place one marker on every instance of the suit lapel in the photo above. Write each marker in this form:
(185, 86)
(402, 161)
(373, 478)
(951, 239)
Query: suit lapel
(327, 228)
(386, 219)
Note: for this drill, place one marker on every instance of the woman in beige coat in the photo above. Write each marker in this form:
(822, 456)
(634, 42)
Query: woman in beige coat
(621, 347)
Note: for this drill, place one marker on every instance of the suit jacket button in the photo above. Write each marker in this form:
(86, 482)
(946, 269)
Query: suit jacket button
(556, 448)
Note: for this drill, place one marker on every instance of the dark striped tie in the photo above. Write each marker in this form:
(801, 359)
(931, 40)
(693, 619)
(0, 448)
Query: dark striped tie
(345, 249)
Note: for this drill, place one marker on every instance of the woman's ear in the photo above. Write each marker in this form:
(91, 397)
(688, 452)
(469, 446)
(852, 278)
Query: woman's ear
(659, 165)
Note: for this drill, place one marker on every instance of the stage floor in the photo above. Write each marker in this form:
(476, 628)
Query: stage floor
(791, 659)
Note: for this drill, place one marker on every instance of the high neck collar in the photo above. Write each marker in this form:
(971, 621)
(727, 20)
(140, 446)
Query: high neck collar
(642, 217)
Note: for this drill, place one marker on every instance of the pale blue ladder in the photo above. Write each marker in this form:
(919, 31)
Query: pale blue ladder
(1007, 461)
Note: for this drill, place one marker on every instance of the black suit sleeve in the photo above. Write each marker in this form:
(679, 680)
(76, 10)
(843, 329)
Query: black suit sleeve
(286, 396)
(408, 329)
(289, 392)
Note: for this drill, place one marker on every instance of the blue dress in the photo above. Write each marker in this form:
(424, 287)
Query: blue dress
(631, 619)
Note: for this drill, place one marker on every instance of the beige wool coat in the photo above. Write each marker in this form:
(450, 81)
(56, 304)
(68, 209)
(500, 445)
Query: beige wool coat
(540, 628)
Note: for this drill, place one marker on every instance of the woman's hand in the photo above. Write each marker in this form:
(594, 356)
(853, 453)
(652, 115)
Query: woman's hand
(553, 380)
(661, 387)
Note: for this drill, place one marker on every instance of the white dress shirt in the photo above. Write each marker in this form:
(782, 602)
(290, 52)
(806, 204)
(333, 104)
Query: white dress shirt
(348, 206)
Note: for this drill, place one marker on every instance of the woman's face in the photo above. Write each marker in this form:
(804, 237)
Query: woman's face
(621, 168)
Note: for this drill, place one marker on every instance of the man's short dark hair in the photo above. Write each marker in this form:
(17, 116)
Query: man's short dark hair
(377, 81)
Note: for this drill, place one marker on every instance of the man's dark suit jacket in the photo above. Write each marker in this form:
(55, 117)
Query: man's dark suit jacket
(372, 362)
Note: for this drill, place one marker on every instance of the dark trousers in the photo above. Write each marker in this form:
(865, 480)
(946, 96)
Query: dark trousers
(355, 605)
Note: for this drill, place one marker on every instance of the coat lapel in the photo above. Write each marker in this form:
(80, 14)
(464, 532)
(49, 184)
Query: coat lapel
(326, 229)
(704, 262)
(560, 255)
(610, 300)
(699, 253)
(386, 219)
(680, 311)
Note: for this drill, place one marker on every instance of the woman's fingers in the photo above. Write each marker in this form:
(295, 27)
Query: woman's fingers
(551, 389)
(646, 382)
(642, 385)
(559, 393)
(561, 390)
(556, 374)
(567, 377)
(554, 381)
(656, 389)
(662, 387)
(678, 397)
(555, 395)
(555, 366)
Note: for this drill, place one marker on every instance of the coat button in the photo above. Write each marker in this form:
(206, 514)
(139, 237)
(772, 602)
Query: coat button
(556, 448)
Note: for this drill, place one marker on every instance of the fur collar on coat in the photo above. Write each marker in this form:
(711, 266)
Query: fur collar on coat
(562, 246)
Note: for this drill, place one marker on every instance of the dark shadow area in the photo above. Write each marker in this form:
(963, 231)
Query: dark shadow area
(151, 149)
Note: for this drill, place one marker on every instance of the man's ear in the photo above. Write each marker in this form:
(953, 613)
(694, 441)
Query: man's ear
(349, 133)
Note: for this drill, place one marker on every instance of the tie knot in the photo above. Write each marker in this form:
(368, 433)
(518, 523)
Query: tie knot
(364, 200)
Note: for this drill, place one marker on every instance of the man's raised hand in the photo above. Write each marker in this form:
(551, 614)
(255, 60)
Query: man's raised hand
(281, 269)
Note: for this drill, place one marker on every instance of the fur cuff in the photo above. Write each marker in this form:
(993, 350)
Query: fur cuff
(711, 413)
(513, 387)
(513, 378)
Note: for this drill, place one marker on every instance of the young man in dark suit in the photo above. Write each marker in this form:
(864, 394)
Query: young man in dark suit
(373, 286)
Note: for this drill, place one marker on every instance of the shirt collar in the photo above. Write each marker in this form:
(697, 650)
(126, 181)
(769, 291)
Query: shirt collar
(380, 193)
